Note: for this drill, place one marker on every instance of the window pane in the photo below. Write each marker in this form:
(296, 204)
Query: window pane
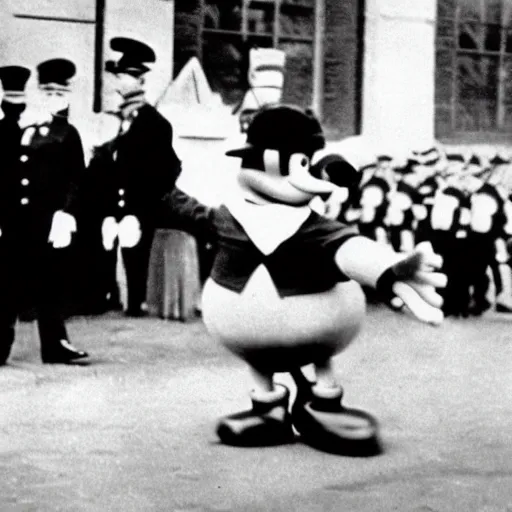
(298, 86)
(477, 36)
(225, 62)
(487, 11)
(232, 27)
(260, 16)
(507, 13)
(476, 92)
(307, 4)
(507, 92)
(508, 42)
(223, 14)
(297, 19)
(223, 59)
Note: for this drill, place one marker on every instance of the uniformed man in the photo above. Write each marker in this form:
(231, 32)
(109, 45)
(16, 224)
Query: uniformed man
(129, 175)
(449, 238)
(36, 182)
(486, 225)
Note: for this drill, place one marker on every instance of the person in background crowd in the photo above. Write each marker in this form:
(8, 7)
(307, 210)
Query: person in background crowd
(500, 266)
(374, 204)
(449, 240)
(385, 169)
(429, 168)
(487, 221)
(128, 176)
(37, 181)
(401, 219)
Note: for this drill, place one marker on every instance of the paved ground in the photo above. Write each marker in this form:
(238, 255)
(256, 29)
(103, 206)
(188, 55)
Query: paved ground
(134, 430)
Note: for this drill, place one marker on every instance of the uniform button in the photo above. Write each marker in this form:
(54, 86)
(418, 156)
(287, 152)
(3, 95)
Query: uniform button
(121, 191)
(23, 158)
(25, 182)
(24, 200)
(121, 203)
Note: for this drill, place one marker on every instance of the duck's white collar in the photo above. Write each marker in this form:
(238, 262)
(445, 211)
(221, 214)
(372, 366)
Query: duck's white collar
(268, 225)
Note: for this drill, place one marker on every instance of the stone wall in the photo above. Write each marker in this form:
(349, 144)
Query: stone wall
(399, 65)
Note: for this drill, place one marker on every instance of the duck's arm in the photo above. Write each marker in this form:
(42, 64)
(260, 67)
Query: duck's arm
(365, 260)
(182, 211)
(413, 277)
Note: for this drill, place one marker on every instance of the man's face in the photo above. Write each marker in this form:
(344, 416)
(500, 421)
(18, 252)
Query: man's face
(55, 100)
(125, 83)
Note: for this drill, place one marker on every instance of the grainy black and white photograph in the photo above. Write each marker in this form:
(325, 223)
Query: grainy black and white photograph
(255, 255)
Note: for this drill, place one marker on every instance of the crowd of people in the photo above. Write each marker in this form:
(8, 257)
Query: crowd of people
(63, 222)
(460, 204)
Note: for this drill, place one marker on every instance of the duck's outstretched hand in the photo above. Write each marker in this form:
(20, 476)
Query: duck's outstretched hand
(414, 279)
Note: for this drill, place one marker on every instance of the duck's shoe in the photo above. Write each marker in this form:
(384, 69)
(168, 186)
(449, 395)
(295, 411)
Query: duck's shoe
(268, 423)
(325, 424)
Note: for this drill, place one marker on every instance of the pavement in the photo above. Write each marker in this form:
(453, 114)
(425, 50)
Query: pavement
(134, 429)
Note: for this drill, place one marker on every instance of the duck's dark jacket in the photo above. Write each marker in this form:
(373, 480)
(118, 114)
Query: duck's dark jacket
(302, 264)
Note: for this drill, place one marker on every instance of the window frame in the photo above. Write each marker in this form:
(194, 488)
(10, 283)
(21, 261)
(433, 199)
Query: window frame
(275, 38)
(454, 135)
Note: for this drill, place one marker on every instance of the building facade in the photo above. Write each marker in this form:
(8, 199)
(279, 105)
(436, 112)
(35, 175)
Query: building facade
(401, 73)
(36, 30)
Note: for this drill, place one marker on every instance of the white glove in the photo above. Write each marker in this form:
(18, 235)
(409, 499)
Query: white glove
(63, 226)
(414, 280)
(109, 232)
(335, 201)
(129, 231)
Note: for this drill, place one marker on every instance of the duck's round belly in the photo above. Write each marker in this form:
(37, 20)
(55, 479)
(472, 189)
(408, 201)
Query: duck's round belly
(300, 328)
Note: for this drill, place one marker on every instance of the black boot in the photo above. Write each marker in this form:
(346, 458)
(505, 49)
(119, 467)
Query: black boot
(326, 425)
(62, 352)
(5, 352)
(479, 307)
(502, 308)
(7, 333)
(266, 424)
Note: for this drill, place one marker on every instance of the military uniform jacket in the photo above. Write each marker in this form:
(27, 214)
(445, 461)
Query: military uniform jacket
(130, 174)
(302, 264)
(38, 177)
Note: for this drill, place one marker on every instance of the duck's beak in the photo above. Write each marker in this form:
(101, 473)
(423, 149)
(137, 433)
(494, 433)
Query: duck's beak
(300, 177)
(274, 188)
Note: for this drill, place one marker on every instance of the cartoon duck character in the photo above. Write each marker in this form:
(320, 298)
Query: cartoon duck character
(284, 291)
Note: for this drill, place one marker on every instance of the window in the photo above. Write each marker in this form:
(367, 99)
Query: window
(474, 68)
(229, 28)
